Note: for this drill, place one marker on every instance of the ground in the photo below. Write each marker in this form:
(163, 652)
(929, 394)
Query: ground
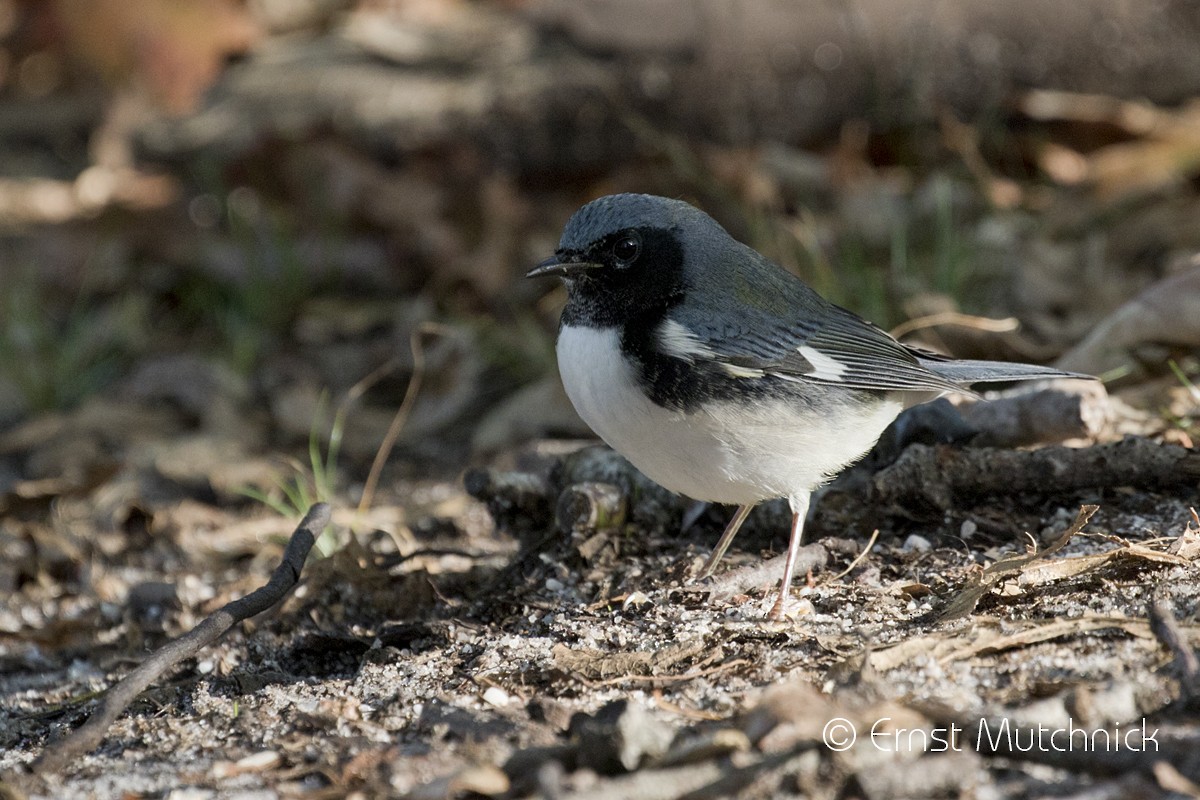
(391, 676)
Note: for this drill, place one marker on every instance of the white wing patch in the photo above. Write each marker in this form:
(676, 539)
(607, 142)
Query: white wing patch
(826, 368)
(674, 339)
(735, 371)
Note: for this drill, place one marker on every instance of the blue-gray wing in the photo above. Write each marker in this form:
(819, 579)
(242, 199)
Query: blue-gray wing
(751, 319)
(827, 345)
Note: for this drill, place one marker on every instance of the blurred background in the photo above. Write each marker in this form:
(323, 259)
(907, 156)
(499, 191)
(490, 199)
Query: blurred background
(233, 231)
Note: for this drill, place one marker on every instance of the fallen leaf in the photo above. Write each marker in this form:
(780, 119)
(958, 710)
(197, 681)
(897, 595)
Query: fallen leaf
(1063, 568)
(175, 49)
(994, 635)
(982, 583)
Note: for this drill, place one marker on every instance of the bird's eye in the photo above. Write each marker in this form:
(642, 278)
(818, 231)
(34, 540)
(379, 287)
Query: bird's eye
(626, 250)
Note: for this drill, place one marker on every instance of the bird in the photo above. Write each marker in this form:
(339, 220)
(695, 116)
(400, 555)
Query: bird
(720, 375)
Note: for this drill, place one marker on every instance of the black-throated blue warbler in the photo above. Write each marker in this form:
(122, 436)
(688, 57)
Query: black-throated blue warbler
(720, 375)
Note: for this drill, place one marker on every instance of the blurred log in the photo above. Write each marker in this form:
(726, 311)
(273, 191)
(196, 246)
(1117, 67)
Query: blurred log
(937, 478)
(516, 500)
(562, 85)
(1065, 410)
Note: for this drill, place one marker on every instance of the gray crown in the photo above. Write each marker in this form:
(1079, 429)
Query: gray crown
(619, 211)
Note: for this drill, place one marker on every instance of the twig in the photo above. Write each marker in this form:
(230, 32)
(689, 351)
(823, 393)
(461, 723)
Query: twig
(402, 414)
(858, 557)
(1006, 325)
(1166, 628)
(981, 583)
(737, 581)
(352, 396)
(118, 698)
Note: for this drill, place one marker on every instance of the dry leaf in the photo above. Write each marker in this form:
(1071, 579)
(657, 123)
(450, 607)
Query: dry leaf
(983, 582)
(592, 664)
(174, 49)
(993, 635)
(1063, 568)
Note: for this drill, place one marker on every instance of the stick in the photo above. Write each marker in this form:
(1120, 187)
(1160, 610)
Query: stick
(401, 415)
(590, 506)
(118, 698)
(934, 479)
(1165, 627)
(516, 500)
(859, 557)
(753, 576)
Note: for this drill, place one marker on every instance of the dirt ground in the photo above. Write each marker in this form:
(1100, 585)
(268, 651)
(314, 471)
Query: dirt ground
(471, 666)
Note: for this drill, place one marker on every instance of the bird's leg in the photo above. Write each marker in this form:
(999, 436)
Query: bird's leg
(731, 530)
(799, 504)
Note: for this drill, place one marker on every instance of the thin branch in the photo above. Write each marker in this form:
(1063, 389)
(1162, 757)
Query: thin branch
(1166, 628)
(118, 698)
(1006, 325)
(858, 557)
(402, 413)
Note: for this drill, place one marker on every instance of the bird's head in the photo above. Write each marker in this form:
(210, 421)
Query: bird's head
(627, 253)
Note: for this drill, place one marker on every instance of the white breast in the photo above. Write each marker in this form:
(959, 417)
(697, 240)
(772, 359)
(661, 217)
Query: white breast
(724, 452)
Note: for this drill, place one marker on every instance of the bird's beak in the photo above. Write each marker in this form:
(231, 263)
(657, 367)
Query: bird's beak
(560, 265)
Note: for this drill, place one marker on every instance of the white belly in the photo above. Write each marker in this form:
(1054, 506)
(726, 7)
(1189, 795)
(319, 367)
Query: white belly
(723, 453)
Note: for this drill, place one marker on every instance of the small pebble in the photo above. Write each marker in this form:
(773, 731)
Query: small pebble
(916, 543)
(262, 760)
(191, 793)
(495, 696)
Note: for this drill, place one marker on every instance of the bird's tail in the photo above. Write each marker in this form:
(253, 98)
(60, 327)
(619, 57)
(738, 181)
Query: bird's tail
(967, 372)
